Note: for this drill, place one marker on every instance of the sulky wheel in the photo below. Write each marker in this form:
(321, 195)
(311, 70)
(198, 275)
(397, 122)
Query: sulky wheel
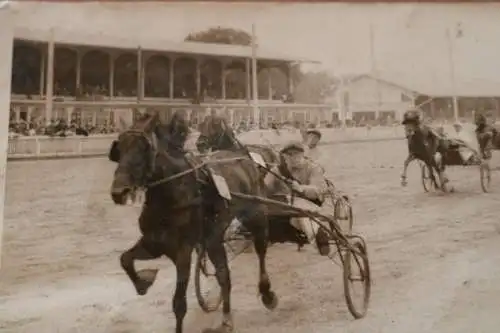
(343, 214)
(208, 300)
(426, 178)
(357, 279)
(485, 173)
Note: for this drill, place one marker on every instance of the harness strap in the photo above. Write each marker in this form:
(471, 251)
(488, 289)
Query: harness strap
(193, 169)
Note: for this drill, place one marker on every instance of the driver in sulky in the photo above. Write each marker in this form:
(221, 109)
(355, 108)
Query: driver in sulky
(306, 181)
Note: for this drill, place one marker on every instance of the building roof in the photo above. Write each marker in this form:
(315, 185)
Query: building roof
(436, 87)
(440, 86)
(65, 36)
(352, 78)
(381, 79)
(463, 88)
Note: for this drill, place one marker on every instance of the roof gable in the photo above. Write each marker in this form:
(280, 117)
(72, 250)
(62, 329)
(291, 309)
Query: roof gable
(347, 80)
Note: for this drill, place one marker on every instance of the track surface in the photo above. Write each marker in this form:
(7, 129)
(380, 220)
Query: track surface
(435, 258)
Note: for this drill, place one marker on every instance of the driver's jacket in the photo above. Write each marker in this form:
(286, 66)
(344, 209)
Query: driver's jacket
(485, 136)
(310, 174)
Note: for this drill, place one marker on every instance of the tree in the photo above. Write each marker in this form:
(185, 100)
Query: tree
(220, 35)
(314, 87)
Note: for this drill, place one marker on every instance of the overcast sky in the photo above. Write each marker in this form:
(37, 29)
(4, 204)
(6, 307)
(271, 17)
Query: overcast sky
(409, 40)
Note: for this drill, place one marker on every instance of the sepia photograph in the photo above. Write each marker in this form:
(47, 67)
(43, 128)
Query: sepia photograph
(224, 167)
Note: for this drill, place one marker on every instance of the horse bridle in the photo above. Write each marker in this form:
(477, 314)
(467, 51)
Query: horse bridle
(152, 142)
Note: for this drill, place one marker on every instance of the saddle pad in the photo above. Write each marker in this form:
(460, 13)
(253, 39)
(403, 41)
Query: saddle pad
(221, 186)
(257, 158)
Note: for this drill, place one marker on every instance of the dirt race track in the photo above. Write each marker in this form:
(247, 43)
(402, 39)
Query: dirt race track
(435, 258)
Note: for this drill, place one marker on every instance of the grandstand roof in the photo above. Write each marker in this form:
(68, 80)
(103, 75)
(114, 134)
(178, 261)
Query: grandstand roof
(101, 40)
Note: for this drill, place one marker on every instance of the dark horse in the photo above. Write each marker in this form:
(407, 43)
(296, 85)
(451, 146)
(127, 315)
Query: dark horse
(183, 208)
(425, 145)
(216, 134)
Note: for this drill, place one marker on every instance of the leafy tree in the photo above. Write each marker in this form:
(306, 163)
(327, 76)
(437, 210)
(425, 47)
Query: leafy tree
(220, 35)
(314, 87)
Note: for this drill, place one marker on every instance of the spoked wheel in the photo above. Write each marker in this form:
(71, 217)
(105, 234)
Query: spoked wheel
(357, 279)
(209, 297)
(426, 178)
(343, 214)
(485, 173)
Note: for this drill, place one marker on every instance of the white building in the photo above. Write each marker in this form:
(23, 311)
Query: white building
(369, 97)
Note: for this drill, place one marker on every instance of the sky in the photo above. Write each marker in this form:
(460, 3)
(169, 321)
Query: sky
(409, 40)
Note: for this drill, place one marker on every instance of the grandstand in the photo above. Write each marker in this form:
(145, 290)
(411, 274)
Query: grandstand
(92, 80)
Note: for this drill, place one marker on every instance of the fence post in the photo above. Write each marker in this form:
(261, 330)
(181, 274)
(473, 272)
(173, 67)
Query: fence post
(80, 146)
(37, 146)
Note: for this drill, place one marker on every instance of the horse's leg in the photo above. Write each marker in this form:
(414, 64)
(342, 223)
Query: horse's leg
(258, 226)
(437, 163)
(144, 249)
(407, 162)
(182, 260)
(217, 255)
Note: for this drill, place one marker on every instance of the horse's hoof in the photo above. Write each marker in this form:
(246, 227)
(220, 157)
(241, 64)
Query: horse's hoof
(270, 300)
(146, 279)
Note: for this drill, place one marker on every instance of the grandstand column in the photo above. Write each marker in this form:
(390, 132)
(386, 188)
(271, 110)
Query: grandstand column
(223, 78)
(249, 81)
(171, 73)
(69, 114)
(79, 56)
(43, 60)
(255, 89)
(140, 76)
(112, 75)
(6, 40)
(50, 79)
(198, 76)
(289, 79)
(269, 85)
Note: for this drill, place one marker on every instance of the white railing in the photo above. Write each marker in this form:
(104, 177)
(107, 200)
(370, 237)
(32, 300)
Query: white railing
(42, 147)
(33, 147)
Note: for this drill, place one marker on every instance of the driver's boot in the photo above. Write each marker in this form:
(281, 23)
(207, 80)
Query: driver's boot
(323, 242)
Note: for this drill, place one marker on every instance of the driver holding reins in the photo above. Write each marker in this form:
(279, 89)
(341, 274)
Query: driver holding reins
(306, 181)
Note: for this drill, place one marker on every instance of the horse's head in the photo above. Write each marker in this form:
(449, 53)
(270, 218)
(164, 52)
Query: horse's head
(175, 133)
(215, 134)
(411, 128)
(411, 122)
(135, 152)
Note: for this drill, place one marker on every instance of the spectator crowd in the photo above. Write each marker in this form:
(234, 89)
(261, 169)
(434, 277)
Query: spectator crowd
(56, 128)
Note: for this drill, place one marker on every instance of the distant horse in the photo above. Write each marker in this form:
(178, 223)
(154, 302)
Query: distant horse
(425, 145)
(183, 208)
